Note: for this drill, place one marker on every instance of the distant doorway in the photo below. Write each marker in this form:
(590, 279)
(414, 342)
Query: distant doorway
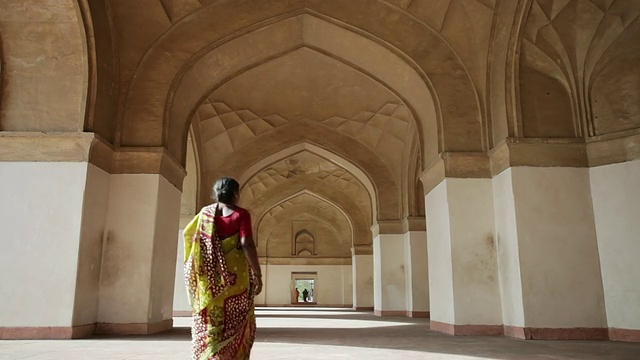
(303, 288)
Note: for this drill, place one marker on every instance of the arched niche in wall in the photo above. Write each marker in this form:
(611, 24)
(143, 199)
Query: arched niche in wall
(304, 243)
(545, 106)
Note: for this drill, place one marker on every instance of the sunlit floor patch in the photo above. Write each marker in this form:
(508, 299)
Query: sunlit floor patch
(320, 319)
(302, 323)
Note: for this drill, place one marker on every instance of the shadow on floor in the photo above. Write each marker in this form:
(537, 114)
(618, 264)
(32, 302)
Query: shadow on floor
(417, 337)
(414, 335)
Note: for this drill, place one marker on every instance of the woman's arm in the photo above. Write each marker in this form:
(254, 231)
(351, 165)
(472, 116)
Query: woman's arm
(250, 252)
(249, 247)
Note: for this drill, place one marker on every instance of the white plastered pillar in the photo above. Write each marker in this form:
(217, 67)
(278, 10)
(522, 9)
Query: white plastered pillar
(181, 306)
(53, 204)
(389, 279)
(548, 254)
(139, 252)
(463, 283)
(417, 269)
(362, 273)
(616, 203)
(188, 210)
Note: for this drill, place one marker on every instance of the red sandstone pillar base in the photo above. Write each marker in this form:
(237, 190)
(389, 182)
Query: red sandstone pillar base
(134, 329)
(529, 333)
(392, 313)
(616, 334)
(82, 331)
(467, 330)
(418, 314)
(47, 332)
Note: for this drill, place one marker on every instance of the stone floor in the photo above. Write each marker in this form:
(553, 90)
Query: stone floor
(297, 334)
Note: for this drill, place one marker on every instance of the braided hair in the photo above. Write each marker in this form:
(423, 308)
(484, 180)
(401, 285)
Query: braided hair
(225, 190)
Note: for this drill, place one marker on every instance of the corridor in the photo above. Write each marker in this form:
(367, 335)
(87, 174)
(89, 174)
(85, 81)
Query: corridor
(324, 333)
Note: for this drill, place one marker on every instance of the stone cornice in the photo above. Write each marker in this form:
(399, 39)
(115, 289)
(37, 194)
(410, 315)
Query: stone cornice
(399, 226)
(541, 152)
(152, 160)
(56, 147)
(46, 147)
(389, 227)
(614, 148)
(101, 154)
(417, 223)
(473, 165)
(362, 249)
(534, 152)
(89, 147)
(538, 153)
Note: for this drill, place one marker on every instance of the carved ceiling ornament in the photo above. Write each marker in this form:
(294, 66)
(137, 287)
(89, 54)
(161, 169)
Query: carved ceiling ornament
(566, 41)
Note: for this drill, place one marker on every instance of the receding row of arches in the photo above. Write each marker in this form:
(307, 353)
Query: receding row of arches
(338, 118)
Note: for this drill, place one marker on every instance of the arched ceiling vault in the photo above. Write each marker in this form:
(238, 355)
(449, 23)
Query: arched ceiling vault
(306, 146)
(404, 84)
(307, 184)
(308, 212)
(307, 96)
(341, 145)
(373, 115)
(317, 54)
(161, 76)
(306, 85)
(307, 159)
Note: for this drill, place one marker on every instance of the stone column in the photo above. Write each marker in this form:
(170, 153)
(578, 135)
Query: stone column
(362, 273)
(548, 254)
(463, 283)
(417, 271)
(188, 210)
(181, 307)
(53, 191)
(389, 281)
(616, 205)
(139, 260)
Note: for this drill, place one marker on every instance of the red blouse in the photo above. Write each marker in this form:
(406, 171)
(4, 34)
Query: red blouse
(238, 222)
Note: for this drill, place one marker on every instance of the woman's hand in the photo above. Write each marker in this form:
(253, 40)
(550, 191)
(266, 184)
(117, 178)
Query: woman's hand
(258, 285)
(251, 255)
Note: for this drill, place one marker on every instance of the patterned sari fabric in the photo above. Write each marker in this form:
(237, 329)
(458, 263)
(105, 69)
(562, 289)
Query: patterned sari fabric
(220, 292)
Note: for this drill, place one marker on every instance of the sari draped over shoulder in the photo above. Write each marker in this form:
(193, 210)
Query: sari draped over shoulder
(220, 292)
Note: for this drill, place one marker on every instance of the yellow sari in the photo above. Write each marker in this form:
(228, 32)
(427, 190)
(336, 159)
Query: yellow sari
(220, 292)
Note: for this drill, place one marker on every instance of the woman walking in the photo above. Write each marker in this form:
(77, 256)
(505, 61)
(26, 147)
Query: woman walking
(223, 276)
